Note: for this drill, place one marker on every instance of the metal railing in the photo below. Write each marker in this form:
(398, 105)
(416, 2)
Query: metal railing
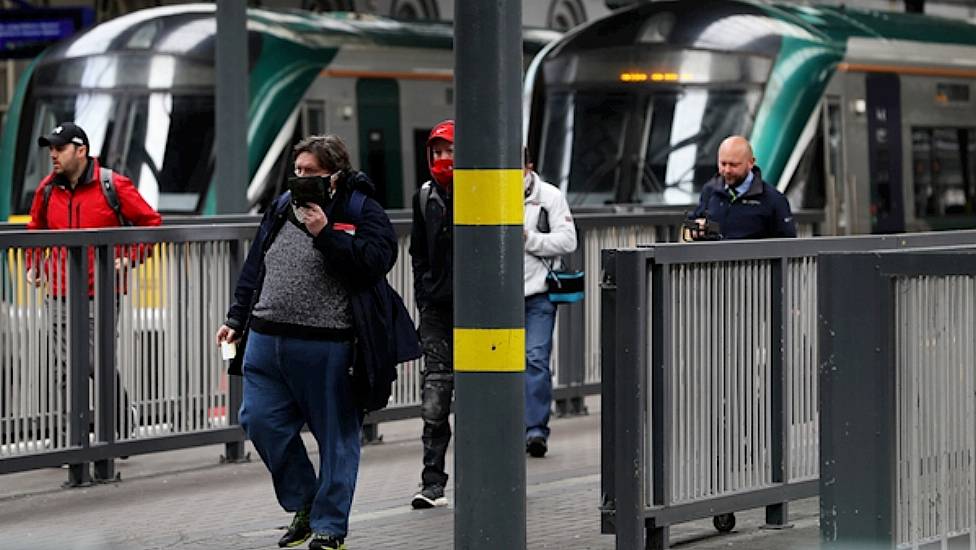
(158, 380)
(710, 378)
(140, 328)
(900, 459)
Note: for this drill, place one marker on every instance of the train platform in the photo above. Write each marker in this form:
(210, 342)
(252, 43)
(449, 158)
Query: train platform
(187, 499)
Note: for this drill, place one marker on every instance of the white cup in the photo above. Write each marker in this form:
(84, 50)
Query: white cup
(228, 350)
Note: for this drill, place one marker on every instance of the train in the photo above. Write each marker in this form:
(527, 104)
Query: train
(866, 116)
(142, 86)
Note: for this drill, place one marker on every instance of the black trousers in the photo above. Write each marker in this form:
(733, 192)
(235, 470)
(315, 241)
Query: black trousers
(436, 338)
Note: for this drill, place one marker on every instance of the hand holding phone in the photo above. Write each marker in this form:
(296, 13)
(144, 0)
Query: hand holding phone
(308, 190)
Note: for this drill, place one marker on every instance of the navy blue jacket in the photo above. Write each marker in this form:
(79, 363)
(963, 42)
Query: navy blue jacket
(762, 212)
(385, 335)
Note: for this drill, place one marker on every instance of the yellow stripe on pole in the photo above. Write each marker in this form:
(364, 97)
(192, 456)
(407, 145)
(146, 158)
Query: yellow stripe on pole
(488, 197)
(489, 349)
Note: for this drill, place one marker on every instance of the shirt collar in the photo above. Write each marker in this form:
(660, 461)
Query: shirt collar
(744, 186)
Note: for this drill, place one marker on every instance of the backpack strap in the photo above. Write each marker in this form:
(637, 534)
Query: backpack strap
(354, 208)
(424, 197)
(426, 192)
(111, 195)
(46, 198)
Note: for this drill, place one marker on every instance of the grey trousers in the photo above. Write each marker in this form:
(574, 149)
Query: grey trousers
(57, 310)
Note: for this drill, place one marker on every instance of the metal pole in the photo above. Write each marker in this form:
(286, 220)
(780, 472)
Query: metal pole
(858, 431)
(234, 450)
(77, 303)
(777, 515)
(489, 334)
(608, 347)
(231, 97)
(572, 338)
(105, 402)
(629, 395)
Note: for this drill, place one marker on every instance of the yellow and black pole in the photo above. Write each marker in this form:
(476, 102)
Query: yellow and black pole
(489, 306)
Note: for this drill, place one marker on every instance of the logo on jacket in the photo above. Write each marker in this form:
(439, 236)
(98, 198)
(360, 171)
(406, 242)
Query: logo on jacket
(347, 228)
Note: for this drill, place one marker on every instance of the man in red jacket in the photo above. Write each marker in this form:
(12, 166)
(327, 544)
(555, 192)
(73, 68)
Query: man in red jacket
(76, 200)
(72, 197)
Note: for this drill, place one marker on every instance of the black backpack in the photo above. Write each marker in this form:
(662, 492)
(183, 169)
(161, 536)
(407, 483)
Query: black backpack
(108, 190)
(399, 343)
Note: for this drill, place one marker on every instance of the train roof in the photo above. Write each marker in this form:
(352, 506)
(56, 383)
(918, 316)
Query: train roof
(753, 26)
(840, 23)
(190, 30)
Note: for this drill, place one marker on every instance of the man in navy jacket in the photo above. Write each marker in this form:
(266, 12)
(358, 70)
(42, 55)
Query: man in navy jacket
(743, 205)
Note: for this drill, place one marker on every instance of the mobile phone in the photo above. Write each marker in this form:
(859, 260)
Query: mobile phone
(308, 189)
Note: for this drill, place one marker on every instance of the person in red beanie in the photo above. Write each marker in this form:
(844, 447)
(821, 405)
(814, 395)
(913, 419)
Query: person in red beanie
(431, 252)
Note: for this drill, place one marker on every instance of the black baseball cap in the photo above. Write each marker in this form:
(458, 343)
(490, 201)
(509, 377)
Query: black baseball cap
(66, 132)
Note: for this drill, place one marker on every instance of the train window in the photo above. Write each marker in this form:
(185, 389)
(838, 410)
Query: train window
(115, 71)
(584, 137)
(944, 173)
(421, 172)
(314, 122)
(684, 139)
(946, 93)
(166, 148)
(655, 148)
(95, 112)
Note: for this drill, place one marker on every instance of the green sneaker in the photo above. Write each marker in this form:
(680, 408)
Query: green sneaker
(298, 532)
(321, 541)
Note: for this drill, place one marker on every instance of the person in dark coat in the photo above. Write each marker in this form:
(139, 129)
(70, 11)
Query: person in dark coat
(431, 254)
(294, 307)
(739, 201)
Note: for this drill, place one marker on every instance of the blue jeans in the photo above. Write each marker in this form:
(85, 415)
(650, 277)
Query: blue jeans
(289, 382)
(540, 318)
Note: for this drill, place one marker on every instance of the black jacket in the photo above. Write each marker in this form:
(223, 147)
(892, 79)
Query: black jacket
(432, 249)
(761, 212)
(384, 331)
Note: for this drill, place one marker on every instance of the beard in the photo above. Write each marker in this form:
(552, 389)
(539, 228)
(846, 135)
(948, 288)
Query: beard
(733, 180)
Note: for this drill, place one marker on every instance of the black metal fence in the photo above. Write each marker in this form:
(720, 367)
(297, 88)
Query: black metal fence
(709, 361)
(898, 438)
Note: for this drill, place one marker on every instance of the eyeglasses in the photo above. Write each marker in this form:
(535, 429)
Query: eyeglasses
(304, 173)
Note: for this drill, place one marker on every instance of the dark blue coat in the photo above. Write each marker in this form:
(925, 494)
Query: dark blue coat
(385, 334)
(762, 212)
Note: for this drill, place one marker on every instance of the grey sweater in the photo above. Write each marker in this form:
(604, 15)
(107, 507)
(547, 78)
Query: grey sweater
(297, 289)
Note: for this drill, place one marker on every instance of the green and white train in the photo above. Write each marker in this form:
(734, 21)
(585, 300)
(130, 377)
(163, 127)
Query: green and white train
(869, 116)
(142, 86)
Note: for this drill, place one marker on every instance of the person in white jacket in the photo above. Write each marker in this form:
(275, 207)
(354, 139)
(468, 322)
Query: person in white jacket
(549, 233)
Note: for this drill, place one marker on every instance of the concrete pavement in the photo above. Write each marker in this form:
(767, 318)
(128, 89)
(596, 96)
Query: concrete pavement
(187, 500)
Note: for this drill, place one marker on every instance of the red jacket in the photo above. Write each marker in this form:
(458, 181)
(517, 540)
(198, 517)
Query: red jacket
(85, 207)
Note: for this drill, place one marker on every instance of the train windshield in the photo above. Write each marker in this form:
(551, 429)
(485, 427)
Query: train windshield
(645, 128)
(160, 135)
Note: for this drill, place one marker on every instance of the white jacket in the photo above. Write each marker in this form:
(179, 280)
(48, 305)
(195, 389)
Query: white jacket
(560, 240)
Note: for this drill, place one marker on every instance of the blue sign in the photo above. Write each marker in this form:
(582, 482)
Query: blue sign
(25, 33)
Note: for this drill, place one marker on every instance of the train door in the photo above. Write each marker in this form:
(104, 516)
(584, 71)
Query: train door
(378, 101)
(837, 212)
(887, 202)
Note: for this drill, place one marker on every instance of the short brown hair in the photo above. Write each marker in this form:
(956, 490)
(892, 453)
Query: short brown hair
(330, 152)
